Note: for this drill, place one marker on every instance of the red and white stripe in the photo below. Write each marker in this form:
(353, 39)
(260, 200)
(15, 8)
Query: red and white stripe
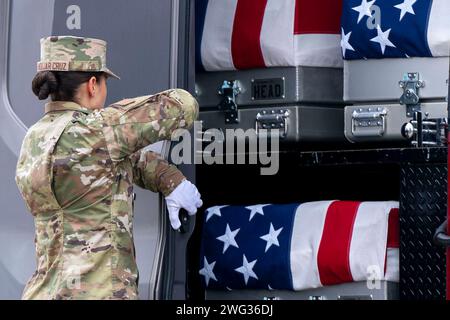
(438, 26)
(341, 241)
(244, 34)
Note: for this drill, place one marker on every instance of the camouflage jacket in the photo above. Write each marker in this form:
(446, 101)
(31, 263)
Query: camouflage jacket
(76, 172)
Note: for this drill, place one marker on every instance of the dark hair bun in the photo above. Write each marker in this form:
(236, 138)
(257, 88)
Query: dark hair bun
(44, 84)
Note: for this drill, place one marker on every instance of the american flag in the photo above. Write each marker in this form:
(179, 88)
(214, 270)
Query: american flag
(299, 246)
(244, 34)
(373, 29)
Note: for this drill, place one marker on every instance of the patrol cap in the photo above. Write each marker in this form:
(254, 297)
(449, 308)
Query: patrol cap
(69, 53)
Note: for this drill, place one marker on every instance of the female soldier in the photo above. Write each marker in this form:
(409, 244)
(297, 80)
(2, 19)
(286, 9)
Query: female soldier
(77, 167)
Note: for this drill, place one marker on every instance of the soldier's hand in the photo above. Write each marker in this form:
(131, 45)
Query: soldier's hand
(185, 196)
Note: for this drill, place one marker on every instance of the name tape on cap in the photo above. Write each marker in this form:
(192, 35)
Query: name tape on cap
(53, 65)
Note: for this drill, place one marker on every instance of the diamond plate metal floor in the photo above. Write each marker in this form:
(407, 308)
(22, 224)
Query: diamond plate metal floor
(423, 207)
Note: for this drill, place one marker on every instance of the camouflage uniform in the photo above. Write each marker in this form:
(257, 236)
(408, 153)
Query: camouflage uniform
(76, 172)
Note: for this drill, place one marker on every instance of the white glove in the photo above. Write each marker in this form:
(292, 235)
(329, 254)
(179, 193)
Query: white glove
(185, 196)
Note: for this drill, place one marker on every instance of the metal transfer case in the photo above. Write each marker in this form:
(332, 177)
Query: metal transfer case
(346, 291)
(303, 103)
(396, 100)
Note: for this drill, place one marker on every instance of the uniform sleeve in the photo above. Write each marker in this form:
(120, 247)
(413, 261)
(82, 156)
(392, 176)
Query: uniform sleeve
(152, 172)
(132, 124)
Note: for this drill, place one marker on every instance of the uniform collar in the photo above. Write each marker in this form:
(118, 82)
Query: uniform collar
(65, 106)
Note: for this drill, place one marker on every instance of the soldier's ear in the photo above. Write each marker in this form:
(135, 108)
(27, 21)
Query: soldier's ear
(91, 86)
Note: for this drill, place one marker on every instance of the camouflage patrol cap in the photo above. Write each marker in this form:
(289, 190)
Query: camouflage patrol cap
(68, 53)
